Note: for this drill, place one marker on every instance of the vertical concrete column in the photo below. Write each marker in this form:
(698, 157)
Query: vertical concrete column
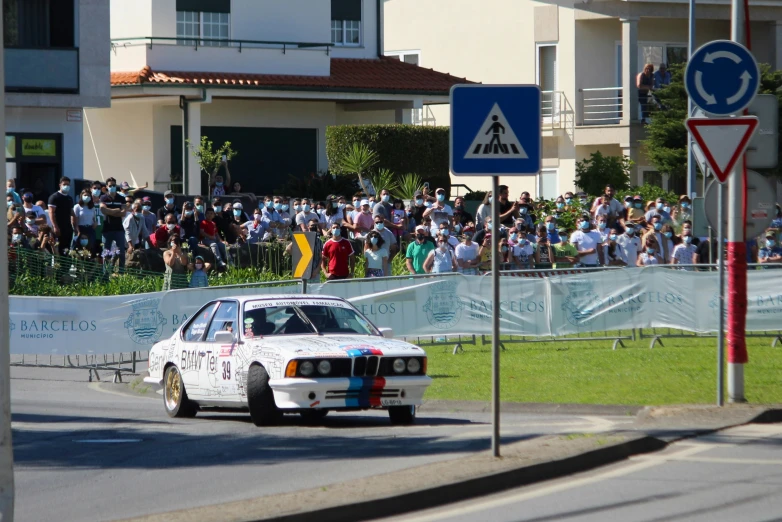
(194, 133)
(778, 44)
(630, 69)
(631, 151)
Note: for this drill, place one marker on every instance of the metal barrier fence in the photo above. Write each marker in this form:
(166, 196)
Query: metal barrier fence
(127, 362)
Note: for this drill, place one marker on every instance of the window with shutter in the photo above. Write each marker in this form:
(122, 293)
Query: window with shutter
(346, 22)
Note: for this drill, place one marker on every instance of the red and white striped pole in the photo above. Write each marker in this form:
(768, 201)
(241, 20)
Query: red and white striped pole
(737, 247)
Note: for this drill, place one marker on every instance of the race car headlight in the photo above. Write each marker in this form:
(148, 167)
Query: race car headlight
(399, 366)
(324, 367)
(413, 365)
(306, 368)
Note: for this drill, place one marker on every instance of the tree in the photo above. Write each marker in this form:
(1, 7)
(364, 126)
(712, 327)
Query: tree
(210, 160)
(666, 136)
(597, 171)
(359, 160)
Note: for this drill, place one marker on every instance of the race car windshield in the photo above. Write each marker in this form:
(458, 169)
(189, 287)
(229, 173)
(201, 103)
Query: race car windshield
(264, 318)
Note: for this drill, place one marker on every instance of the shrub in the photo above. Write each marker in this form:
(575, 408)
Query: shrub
(648, 193)
(399, 148)
(597, 171)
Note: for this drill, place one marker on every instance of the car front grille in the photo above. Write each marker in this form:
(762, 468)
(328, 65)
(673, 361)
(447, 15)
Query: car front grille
(365, 366)
(385, 393)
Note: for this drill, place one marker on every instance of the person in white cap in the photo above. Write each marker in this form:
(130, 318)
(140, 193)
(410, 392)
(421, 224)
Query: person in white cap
(440, 212)
(362, 221)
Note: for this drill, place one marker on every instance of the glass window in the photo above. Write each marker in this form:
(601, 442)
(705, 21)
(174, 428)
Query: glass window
(411, 58)
(187, 25)
(676, 54)
(652, 177)
(224, 319)
(194, 331)
(215, 26)
(263, 318)
(352, 32)
(336, 32)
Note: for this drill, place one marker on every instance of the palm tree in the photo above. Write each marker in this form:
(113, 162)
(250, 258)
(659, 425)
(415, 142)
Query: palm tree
(359, 160)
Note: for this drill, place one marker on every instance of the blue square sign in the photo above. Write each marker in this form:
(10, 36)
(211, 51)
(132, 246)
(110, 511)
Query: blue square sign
(495, 130)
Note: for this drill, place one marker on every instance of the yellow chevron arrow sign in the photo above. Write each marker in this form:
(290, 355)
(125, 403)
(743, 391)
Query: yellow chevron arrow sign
(303, 243)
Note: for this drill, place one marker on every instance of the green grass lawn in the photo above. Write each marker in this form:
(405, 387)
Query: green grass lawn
(589, 372)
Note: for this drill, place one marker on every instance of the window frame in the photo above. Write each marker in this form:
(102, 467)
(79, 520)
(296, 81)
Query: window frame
(344, 31)
(193, 319)
(184, 39)
(222, 303)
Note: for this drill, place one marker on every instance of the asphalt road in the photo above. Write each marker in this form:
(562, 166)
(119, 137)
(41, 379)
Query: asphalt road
(82, 453)
(732, 475)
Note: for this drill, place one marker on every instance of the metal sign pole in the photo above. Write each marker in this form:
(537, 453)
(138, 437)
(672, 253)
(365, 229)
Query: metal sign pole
(737, 259)
(721, 275)
(495, 316)
(691, 180)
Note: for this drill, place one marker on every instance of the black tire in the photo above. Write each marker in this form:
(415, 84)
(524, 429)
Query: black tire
(314, 415)
(401, 415)
(260, 398)
(175, 399)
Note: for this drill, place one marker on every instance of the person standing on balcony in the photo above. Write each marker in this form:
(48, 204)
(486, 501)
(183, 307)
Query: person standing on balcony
(662, 77)
(645, 83)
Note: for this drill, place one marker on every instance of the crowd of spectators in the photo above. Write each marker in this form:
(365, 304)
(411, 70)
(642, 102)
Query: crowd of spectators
(436, 237)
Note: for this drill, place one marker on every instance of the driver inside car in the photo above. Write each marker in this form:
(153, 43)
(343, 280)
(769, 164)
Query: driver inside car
(319, 317)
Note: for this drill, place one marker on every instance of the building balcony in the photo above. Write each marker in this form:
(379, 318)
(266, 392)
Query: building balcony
(221, 56)
(47, 70)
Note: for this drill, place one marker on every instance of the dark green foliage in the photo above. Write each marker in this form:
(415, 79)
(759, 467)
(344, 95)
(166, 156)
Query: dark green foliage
(648, 193)
(399, 148)
(597, 171)
(318, 186)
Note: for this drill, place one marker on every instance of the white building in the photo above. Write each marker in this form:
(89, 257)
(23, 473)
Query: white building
(585, 55)
(267, 75)
(56, 64)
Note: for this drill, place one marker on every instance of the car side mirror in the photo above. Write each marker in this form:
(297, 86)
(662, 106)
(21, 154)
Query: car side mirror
(224, 337)
(388, 333)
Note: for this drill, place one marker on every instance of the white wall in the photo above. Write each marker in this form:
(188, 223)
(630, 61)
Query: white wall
(124, 142)
(288, 20)
(131, 18)
(18, 119)
(344, 117)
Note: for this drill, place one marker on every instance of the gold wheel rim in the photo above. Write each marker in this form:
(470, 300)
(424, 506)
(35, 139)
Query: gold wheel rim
(173, 389)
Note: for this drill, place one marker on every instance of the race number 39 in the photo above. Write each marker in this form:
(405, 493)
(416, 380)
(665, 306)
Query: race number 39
(226, 370)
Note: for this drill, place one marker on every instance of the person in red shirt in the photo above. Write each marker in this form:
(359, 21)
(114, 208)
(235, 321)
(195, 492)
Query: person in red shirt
(210, 238)
(161, 236)
(338, 256)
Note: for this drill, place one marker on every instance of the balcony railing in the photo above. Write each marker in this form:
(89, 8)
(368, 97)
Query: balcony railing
(603, 106)
(42, 70)
(238, 45)
(556, 111)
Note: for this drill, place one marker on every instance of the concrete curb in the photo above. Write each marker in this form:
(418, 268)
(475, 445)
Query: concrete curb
(531, 407)
(476, 487)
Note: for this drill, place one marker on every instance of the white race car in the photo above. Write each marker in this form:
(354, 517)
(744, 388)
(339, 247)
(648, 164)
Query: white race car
(287, 354)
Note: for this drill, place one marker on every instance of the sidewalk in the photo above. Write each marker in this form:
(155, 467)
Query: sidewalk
(522, 463)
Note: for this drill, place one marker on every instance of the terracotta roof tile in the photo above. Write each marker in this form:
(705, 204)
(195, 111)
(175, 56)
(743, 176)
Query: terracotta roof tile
(380, 74)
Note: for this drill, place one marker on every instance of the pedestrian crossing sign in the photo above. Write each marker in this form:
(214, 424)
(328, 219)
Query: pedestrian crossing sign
(495, 130)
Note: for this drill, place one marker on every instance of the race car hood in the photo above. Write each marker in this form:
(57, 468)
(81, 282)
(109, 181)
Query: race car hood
(336, 345)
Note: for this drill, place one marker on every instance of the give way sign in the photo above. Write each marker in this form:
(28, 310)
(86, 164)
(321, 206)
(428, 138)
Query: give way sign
(722, 140)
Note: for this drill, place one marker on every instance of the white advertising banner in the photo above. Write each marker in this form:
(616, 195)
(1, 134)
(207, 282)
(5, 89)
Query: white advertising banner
(444, 305)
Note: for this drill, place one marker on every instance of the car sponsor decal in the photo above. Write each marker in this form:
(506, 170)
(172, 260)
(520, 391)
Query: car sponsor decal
(369, 390)
(254, 305)
(357, 350)
(226, 350)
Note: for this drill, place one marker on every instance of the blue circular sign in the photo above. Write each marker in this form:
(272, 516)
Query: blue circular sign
(722, 77)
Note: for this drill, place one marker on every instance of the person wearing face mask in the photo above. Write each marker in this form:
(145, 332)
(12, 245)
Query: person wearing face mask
(135, 228)
(525, 214)
(565, 254)
(86, 220)
(61, 215)
(387, 235)
(418, 207)
(286, 220)
(544, 254)
(441, 260)
(770, 254)
(30, 226)
(161, 237)
(659, 210)
(149, 217)
(466, 253)
(649, 255)
(559, 205)
(683, 211)
(664, 244)
(188, 224)
(460, 214)
(776, 223)
(18, 241)
(440, 211)
(10, 190)
(362, 221)
(551, 229)
(218, 187)
(27, 203)
(211, 239)
(635, 213)
(522, 250)
(306, 216)
(628, 246)
(113, 209)
(418, 251)
(614, 206)
(199, 277)
(399, 217)
(337, 257)
(258, 228)
(334, 212)
(587, 242)
(376, 255)
(685, 253)
(238, 214)
(167, 208)
(176, 263)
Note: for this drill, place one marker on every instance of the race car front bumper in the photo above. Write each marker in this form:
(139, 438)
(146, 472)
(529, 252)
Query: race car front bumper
(350, 392)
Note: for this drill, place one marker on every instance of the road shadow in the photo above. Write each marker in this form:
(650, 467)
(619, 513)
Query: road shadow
(159, 446)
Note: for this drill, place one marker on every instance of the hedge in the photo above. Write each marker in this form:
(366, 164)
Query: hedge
(400, 148)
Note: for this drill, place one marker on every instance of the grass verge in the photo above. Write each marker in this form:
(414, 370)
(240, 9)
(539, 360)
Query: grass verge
(684, 371)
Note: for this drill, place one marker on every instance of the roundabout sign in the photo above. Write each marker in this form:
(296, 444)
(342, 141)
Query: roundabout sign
(722, 77)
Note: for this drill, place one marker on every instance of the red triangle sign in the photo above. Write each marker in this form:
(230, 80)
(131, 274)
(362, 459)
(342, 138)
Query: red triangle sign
(722, 140)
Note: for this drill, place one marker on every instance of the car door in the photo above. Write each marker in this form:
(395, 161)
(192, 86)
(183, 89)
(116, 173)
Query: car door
(219, 368)
(189, 358)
